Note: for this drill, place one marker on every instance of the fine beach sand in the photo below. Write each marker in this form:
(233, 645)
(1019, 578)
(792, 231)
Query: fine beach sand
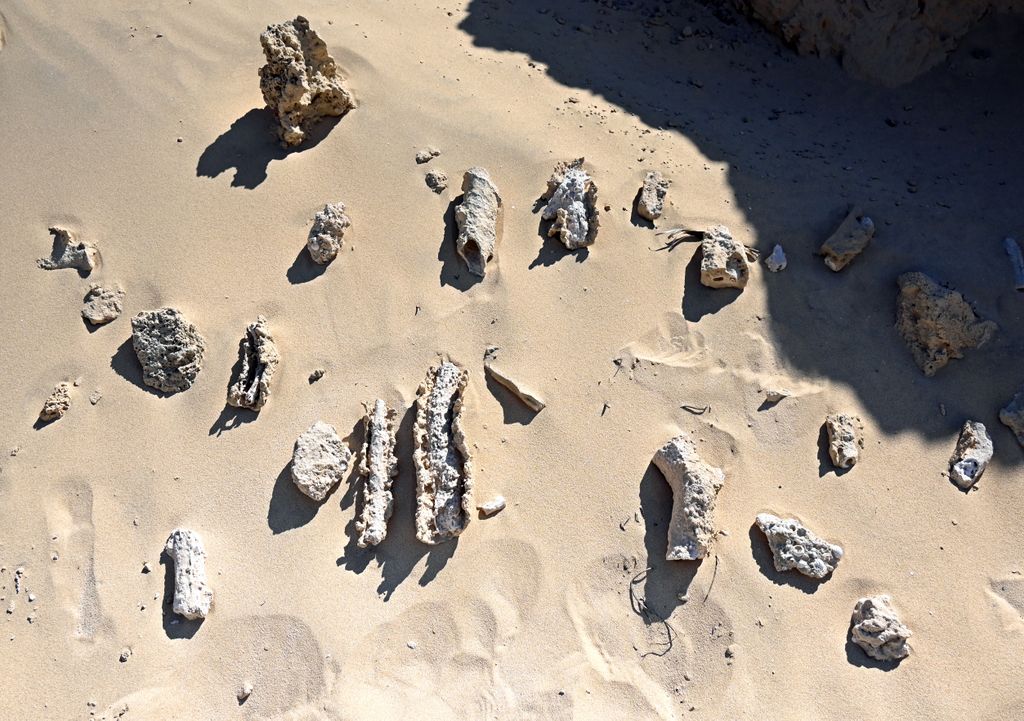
(143, 130)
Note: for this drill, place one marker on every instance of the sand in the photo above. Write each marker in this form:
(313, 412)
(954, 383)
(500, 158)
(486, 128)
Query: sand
(141, 129)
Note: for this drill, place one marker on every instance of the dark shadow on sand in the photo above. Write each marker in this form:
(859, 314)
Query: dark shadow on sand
(700, 300)
(126, 364)
(513, 409)
(453, 268)
(303, 269)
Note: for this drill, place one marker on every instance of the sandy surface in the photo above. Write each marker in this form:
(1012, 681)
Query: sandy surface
(142, 129)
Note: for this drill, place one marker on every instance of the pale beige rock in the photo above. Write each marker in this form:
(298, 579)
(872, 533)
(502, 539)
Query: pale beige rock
(848, 241)
(192, 597)
(695, 486)
(327, 235)
(845, 439)
(652, 196)
(794, 547)
(57, 404)
(319, 460)
(529, 399)
(103, 303)
(169, 348)
(572, 205)
(259, 359)
(378, 467)
(878, 630)
(725, 262)
(972, 455)
(491, 507)
(70, 252)
(477, 217)
(436, 180)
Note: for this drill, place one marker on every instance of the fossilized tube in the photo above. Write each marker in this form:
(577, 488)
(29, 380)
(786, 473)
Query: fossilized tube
(695, 485)
(259, 358)
(477, 218)
(378, 466)
(444, 468)
(192, 597)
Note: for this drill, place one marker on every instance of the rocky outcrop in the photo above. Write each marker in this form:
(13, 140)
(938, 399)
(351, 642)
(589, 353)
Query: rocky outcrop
(972, 455)
(103, 303)
(477, 219)
(652, 196)
(57, 404)
(796, 548)
(319, 460)
(169, 348)
(572, 205)
(695, 486)
(70, 252)
(848, 241)
(378, 467)
(845, 439)
(878, 630)
(259, 359)
(327, 235)
(192, 597)
(724, 262)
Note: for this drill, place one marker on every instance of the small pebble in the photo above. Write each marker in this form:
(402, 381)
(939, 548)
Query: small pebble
(126, 654)
(244, 691)
(316, 375)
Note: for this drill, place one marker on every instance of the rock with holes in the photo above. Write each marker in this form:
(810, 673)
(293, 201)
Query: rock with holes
(192, 597)
(1012, 415)
(259, 359)
(724, 262)
(436, 180)
(848, 241)
(300, 82)
(70, 252)
(169, 348)
(695, 486)
(319, 460)
(444, 466)
(652, 196)
(878, 630)
(328, 233)
(845, 439)
(103, 303)
(572, 205)
(972, 455)
(57, 404)
(796, 548)
(477, 217)
(378, 467)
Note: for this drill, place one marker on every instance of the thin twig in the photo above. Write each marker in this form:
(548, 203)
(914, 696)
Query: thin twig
(714, 575)
(640, 608)
(696, 410)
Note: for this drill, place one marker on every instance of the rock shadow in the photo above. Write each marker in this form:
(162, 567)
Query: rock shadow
(453, 268)
(513, 409)
(303, 269)
(126, 364)
(698, 299)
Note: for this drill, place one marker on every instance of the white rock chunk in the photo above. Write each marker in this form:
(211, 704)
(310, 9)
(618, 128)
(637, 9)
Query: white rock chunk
(972, 455)
(491, 507)
(378, 467)
(259, 358)
(477, 219)
(326, 237)
(795, 547)
(70, 252)
(103, 303)
(192, 597)
(695, 486)
(319, 460)
(845, 439)
(878, 630)
(529, 399)
(652, 196)
(572, 205)
(777, 260)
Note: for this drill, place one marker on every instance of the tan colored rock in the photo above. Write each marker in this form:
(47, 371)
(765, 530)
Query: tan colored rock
(70, 252)
(259, 359)
(848, 241)
(972, 455)
(319, 460)
(57, 404)
(378, 467)
(652, 196)
(530, 400)
(572, 205)
(1012, 416)
(327, 235)
(725, 262)
(878, 630)
(845, 439)
(477, 217)
(103, 303)
(695, 486)
(192, 597)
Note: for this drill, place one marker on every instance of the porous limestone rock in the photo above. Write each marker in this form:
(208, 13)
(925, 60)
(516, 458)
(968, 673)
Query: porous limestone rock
(57, 404)
(1012, 416)
(378, 467)
(70, 252)
(300, 82)
(328, 233)
(725, 262)
(477, 219)
(192, 597)
(845, 439)
(936, 322)
(529, 399)
(319, 460)
(259, 358)
(795, 547)
(103, 303)
(972, 455)
(169, 348)
(572, 205)
(777, 260)
(436, 180)
(878, 630)
(695, 486)
(848, 241)
(652, 196)
(444, 467)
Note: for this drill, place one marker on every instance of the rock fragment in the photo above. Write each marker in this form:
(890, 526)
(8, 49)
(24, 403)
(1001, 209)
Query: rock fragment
(572, 205)
(972, 455)
(169, 348)
(444, 467)
(95, 396)
(477, 218)
(103, 304)
(936, 322)
(845, 439)
(319, 460)
(259, 359)
(774, 395)
(491, 507)
(725, 262)
(776, 262)
(652, 196)
(878, 630)
(695, 486)
(378, 467)
(70, 252)
(316, 375)
(300, 82)
(244, 692)
(426, 155)
(57, 404)
(327, 235)
(1016, 262)
(436, 180)
(529, 399)
(1012, 415)
(192, 597)
(795, 547)
(848, 241)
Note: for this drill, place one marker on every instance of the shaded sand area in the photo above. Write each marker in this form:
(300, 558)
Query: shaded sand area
(143, 130)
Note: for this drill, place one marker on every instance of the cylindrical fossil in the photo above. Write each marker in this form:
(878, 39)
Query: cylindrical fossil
(695, 486)
(378, 466)
(192, 597)
(259, 361)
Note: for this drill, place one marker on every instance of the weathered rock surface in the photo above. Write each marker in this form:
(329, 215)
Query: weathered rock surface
(477, 218)
(426, 155)
(192, 597)
(327, 235)
(652, 196)
(1012, 415)
(491, 507)
(70, 252)
(845, 439)
(936, 322)
(319, 460)
(848, 241)
(795, 547)
(259, 358)
(695, 486)
(725, 262)
(300, 82)
(572, 205)
(103, 303)
(529, 399)
(436, 180)
(378, 467)
(972, 455)
(878, 630)
(169, 348)
(777, 260)
(444, 467)
(57, 404)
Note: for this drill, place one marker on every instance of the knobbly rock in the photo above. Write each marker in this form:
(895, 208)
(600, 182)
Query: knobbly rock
(972, 455)
(529, 399)
(192, 597)
(69, 252)
(652, 196)
(695, 486)
(1012, 416)
(845, 439)
(169, 348)
(103, 304)
(444, 467)
(436, 180)
(725, 262)
(300, 82)
(259, 359)
(795, 547)
(936, 322)
(319, 460)
(316, 375)
(848, 241)
(572, 205)
(328, 233)
(426, 155)
(491, 507)
(878, 630)
(378, 467)
(477, 218)
(777, 260)
(57, 404)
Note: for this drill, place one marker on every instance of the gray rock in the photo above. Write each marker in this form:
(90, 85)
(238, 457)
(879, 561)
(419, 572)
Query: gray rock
(848, 241)
(169, 348)
(477, 218)
(103, 304)
(572, 205)
(259, 358)
(69, 252)
(426, 155)
(1012, 416)
(326, 237)
(845, 439)
(57, 404)
(378, 467)
(436, 180)
(972, 455)
(192, 597)
(776, 262)
(695, 486)
(878, 630)
(725, 262)
(795, 547)
(319, 460)
(652, 196)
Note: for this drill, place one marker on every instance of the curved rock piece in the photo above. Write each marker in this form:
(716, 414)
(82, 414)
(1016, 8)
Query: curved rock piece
(848, 241)
(57, 404)
(327, 235)
(972, 455)
(169, 348)
(192, 597)
(652, 196)
(70, 252)
(878, 630)
(936, 322)
(103, 304)
(725, 262)
(319, 460)
(529, 399)
(1012, 416)
(378, 466)
(695, 486)
(795, 547)
(845, 439)
(572, 205)
(444, 467)
(259, 358)
(477, 218)
(300, 82)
